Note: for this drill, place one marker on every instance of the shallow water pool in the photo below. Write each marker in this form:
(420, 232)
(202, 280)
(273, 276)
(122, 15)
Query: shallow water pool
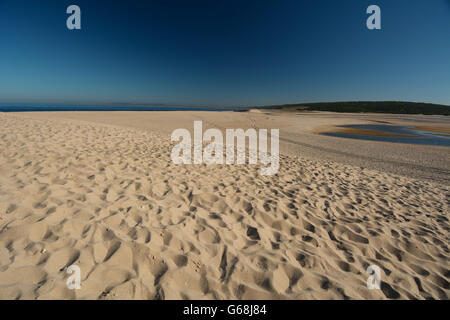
(398, 134)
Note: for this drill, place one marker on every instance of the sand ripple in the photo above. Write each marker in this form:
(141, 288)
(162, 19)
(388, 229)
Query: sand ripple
(109, 200)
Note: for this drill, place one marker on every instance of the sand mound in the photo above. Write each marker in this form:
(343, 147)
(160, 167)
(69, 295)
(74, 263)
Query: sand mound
(256, 111)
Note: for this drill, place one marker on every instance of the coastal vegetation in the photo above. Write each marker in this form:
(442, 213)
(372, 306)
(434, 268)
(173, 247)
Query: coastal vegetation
(396, 107)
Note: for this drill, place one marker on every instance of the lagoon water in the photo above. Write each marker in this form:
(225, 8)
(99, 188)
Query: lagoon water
(414, 136)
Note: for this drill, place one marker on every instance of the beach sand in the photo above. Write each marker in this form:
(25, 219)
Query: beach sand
(99, 190)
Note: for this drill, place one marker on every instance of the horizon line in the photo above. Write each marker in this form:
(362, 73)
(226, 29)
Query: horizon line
(200, 105)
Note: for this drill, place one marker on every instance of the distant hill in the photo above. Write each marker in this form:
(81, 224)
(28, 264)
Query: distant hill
(396, 107)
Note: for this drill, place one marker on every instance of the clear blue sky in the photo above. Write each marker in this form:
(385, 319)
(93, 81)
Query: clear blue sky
(224, 52)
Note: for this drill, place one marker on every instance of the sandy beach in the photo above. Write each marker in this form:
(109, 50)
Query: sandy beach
(99, 190)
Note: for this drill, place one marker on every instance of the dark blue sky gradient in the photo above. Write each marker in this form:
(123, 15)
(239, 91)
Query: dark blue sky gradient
(219, 52)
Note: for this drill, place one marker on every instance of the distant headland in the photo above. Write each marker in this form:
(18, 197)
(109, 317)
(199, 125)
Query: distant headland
(395, 107)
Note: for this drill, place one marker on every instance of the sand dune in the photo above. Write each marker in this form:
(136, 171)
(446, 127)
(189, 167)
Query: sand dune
(109, 199)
